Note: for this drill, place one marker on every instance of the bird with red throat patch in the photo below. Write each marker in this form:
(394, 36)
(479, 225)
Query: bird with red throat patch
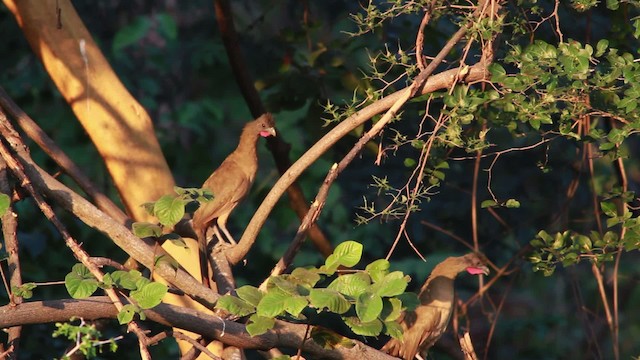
(423, 326)
(230, 183)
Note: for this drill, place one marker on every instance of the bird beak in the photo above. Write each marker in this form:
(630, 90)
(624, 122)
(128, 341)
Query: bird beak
(268, 132)
(477, 270)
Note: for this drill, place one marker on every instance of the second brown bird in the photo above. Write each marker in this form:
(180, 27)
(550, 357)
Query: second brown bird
(423, 326)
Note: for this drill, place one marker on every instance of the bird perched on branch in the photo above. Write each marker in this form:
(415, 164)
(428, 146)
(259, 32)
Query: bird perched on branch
(230, 183)
(423, 326)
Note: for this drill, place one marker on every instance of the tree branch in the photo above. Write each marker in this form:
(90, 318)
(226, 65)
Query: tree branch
(229, 332)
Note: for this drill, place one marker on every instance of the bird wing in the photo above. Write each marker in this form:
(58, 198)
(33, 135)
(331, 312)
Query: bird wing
(229, 185)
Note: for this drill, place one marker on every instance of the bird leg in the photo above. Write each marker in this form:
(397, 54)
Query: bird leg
(221, 224)
(230, 238)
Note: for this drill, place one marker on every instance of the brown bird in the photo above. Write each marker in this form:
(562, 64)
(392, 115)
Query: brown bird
(423, 326)
(230, 183)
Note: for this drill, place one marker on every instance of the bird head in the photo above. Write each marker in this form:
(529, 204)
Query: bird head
(265, 125)
(474, 265)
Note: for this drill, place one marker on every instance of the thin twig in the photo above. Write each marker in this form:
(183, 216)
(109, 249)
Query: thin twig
(420, 37)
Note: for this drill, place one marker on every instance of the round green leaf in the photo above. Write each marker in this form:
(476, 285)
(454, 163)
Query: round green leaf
(330, 300)
(127, 313)
(378, 269)
(295, 304)
(145, 229)
(348, 253)
(250, 294)
(368, 306)
(272, 304)
(372, 328)
(351, 284)
(392, 284)
(149, 295)
(169, 210)
(259, 325)
(235, 305)
(80, 283)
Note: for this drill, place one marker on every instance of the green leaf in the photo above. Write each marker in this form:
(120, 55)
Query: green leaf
(330, 300)
(259, 325)
(391, 309)
(609, 208)
(368, 306)
(80, 283)
(126, 279)
(235, 305)
(24, 291)
(409, 162)
(283, 284)
(378, 269)
(149, 295)
(372, 328)
(272, 304)
(601, 47)
(613, 4)
(127, 313)
(250, 294)
(393, 329)
(169, 210)
(351, 284)
(131, 33)
(329, 339)
(5, 202)
(393, 284)
(305, 276)
(488, 203)
(512, 203)
(145, 229)
(167, 26)
(295, 304)
(346, 254)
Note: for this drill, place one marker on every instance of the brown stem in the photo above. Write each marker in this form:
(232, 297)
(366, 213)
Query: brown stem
(420, 37)
(10, 237)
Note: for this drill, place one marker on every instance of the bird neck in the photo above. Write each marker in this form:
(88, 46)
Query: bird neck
(438, 288)
(247, 144)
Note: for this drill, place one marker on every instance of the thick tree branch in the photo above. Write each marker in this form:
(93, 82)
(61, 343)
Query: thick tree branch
(229, 332)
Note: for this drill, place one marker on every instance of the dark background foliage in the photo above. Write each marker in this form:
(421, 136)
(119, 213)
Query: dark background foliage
(170, 56)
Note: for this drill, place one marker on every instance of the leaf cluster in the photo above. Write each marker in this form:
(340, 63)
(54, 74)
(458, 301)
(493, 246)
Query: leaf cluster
(369, 301)
(86, 337)
(144, 293)
(568, 248)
